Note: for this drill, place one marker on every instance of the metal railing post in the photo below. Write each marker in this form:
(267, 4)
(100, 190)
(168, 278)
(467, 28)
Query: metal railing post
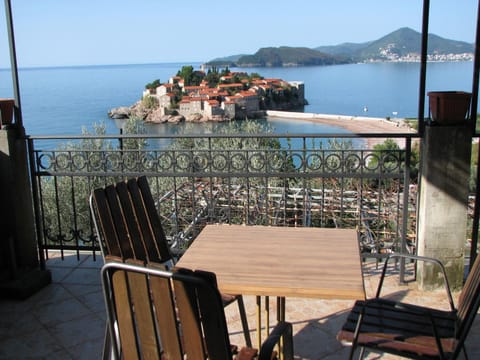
(406, 196)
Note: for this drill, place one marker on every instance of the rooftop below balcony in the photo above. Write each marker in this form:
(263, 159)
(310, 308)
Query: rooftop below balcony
(66, 320)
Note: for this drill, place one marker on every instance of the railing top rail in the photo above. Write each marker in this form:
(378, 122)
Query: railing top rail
(239, 135)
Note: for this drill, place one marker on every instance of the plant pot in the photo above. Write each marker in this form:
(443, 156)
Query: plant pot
(449, 107)
(6, 111)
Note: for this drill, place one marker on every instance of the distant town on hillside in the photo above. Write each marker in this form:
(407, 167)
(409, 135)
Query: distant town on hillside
(402, 45)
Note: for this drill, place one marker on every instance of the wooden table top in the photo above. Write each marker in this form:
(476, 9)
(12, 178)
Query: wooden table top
(279, 261)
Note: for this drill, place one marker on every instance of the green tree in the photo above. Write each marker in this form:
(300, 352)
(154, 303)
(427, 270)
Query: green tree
(385, 155)
(186, 73)
(213, 78)
(153, 85)
(190, 76)
(150, 102)
(225, 72)
(65, 195)
(255, 75)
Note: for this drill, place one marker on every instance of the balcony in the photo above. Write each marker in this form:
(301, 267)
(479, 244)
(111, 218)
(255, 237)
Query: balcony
(292, 180)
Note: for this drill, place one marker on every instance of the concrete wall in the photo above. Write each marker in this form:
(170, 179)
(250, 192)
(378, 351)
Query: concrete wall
(443, 201)
(16, 208)
(19, 257)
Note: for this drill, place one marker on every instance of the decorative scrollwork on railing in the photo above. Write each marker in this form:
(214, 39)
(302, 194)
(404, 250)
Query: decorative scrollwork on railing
(233, 162)
(53, 236)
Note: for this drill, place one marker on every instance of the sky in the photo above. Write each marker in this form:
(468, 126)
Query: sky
(101, 32)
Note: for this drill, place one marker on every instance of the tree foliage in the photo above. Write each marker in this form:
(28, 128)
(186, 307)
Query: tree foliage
(65, 208)
(153, 85)
(150, 102)
(190, 76)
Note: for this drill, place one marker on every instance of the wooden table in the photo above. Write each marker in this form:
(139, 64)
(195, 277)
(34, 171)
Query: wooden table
(279, 261)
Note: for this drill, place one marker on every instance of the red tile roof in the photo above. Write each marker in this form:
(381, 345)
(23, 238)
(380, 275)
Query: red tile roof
(230, 85)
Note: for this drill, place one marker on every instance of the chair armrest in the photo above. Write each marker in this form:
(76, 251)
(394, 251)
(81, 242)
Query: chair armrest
(417, 258)
(282, 330)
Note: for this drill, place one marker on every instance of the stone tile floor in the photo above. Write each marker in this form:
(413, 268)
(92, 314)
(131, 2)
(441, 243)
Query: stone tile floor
(66, 320)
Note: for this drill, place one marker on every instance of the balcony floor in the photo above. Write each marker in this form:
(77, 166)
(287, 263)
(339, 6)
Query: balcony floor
(66, 320)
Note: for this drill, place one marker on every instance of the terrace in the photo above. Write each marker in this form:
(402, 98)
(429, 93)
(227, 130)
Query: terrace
(277, 180)
(66, 320)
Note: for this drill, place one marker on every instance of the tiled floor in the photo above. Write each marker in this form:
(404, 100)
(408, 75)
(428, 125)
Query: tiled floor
(66, 320)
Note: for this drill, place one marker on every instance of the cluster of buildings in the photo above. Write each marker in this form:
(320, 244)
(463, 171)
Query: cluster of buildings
(390, 53)
(236, 96)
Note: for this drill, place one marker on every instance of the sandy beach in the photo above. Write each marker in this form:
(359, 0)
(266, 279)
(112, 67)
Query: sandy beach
(354, 124)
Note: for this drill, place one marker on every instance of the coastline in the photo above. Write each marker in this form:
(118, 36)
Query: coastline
(354, 124)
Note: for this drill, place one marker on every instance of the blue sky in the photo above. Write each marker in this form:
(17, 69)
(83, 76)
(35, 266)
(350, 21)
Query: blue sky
(68, 32)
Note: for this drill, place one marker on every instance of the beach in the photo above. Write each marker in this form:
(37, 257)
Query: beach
(354, 124)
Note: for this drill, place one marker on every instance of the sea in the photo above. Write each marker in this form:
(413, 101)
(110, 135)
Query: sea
(64, 100)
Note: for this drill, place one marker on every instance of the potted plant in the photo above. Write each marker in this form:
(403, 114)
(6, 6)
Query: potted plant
(449, 107)
(6, 110)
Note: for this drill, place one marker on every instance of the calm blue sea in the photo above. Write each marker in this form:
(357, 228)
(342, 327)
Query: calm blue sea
(62, 100)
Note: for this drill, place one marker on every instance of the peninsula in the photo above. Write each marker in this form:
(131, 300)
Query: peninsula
(213, 95)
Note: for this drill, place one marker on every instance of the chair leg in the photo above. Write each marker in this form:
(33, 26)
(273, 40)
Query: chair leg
(362, 352)
(243, 318)
(352, 352)
(107, 345)
(465, 352)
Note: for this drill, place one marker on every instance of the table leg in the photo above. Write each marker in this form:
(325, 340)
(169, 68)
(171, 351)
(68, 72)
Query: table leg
(281, 308)
(280, 317)
(267, 316)
(259, 322)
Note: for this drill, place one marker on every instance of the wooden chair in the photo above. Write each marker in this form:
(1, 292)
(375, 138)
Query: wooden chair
(158, 314)
(414, 331)
(128, 226)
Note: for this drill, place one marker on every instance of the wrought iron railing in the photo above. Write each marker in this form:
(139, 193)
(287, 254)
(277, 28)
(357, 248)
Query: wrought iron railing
(279, 180)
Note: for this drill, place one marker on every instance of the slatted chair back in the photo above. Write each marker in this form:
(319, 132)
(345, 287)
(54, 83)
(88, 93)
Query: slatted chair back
(127, 222)
(183, 309)
(129, 227)
(469, 301)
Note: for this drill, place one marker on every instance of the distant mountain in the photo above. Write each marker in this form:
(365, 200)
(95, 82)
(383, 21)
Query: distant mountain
(401, 45)
(226, 61)
(288, 56)
(281, 56)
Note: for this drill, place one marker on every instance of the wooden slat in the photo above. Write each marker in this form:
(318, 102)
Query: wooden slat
(134, 235)
(156, 226)
(148, 239)
(215, 327)
(190, 320)
(470, 292)
(163, 300)
(119, 222)
(144, 320)
(106, 227)
(123, 309)
(397, 346)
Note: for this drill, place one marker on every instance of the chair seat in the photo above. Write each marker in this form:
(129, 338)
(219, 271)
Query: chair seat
(401, 328)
